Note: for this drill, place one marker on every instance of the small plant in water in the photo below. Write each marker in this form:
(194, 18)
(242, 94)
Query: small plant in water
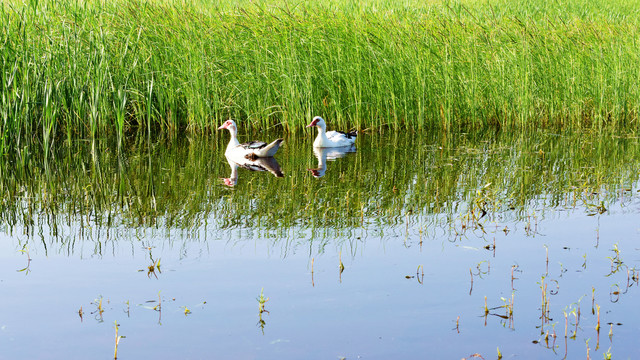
(25, 250)
(261, 301)
(616, 262)
(118, 337)
(486, 308)
(341, 266)
(99, 309)
(312, 282)
(420, 274)
(151, 269)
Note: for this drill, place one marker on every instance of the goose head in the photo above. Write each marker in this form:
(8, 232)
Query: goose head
(229, 125)
(318, 122)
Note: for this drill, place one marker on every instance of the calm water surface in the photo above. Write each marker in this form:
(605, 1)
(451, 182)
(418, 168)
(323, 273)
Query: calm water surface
(427, 227)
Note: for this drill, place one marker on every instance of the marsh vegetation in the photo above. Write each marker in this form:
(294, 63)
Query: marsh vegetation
(87, 69)
(490, 202)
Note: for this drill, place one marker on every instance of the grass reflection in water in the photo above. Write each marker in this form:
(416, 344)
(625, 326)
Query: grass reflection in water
(450, 229)
(390, 180)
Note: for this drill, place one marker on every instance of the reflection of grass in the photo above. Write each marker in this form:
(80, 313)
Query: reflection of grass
(466, 180)
(25, 250)
(89, 68)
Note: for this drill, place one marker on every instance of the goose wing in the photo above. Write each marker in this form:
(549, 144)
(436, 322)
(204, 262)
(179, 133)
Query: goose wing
(339, 134)
(253, 145)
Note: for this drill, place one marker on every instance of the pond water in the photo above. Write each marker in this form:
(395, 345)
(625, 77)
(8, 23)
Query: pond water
(411, 245)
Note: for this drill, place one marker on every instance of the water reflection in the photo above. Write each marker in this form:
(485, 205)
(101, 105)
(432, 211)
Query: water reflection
(269, 164)
(534, 209)
(92, 187)
(324, 154)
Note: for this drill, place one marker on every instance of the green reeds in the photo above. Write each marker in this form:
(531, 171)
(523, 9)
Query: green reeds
(88, 69)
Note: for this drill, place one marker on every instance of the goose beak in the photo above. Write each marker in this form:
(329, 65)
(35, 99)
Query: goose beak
(313, 123)
(224, 126)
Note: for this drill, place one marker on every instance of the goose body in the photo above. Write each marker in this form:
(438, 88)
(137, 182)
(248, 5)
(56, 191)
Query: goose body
(249, 150)
(331, 139)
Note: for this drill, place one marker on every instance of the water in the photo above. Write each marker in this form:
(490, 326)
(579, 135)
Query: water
(413, 218)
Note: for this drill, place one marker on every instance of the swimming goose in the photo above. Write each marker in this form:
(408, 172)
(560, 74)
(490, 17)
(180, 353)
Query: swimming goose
(331, 139)
(250, 150)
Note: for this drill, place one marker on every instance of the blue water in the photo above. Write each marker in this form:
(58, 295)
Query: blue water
(405, 291)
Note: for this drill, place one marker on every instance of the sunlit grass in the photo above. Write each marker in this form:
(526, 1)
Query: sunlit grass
(85, 69)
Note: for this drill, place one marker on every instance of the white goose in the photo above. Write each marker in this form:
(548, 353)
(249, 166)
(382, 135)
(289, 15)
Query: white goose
(250, 150)
(331, 139)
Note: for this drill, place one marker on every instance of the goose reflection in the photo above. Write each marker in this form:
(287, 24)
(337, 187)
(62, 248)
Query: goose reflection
(324, 154)
(269, 164)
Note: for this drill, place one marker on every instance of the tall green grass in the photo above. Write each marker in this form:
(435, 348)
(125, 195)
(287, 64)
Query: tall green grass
(90, 68)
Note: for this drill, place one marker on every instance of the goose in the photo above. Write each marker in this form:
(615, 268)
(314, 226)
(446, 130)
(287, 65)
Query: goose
(250, 150)
(269, 164)
(331, 139)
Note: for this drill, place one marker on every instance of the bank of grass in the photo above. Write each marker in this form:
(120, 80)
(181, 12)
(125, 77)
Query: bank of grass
(90, 69)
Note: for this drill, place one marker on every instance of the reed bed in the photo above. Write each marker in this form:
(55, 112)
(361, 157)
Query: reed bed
(87, 69)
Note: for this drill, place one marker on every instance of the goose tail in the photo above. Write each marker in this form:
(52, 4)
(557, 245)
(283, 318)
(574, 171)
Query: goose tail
(269, 150)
